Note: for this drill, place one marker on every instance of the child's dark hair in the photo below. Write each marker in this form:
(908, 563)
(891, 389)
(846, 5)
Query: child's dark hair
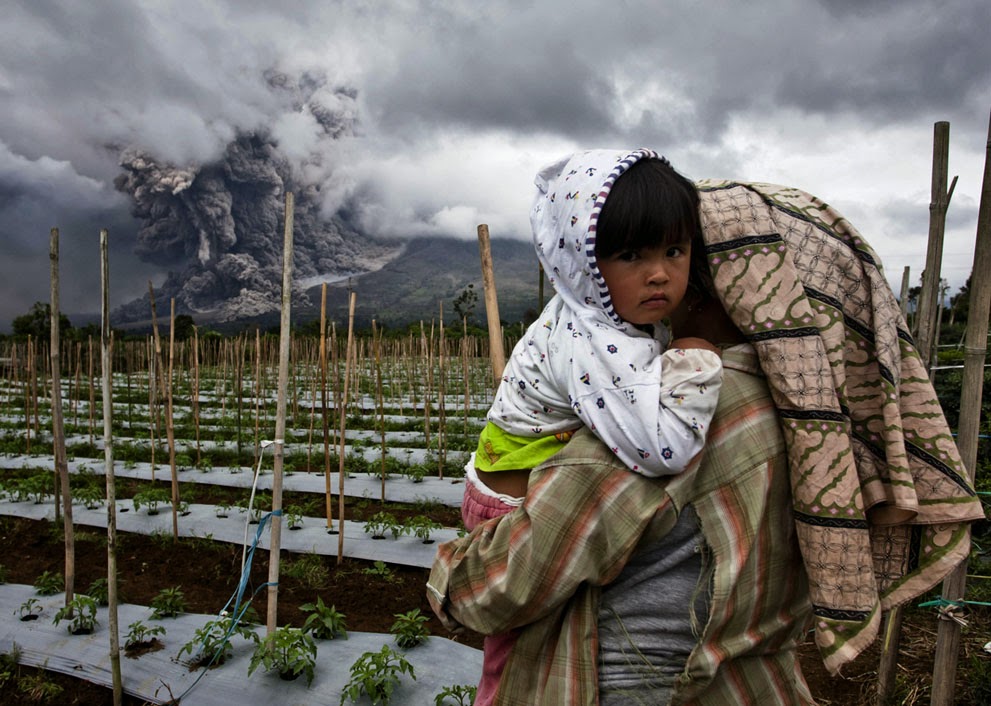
(652, 205)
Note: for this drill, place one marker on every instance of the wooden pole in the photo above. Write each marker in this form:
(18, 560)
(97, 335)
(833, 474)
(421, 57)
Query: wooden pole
(323, 408)
(342, 415)
(497, 353)
(58, 431)
(379, 404)
(903, 302)
(934, 253)
(280, 421)
(975, 353)
(164, 392)
(106, 361)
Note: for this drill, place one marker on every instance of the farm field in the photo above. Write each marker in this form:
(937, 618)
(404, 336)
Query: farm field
(387, 436)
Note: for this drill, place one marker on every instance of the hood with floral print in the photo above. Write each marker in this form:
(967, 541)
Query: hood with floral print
(570, 196)
(579, 362)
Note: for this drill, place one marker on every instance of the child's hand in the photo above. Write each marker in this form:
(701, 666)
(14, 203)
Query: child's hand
(687, 342)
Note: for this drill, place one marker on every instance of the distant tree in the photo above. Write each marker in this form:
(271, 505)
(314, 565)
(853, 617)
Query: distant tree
(464, 304)
(184, 327)
(37, 322)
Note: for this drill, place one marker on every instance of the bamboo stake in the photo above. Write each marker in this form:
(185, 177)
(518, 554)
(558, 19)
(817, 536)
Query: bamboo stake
(377, 340)
(108, 455)
(58, 432)
(196, 392)
(441, 412)
(323, 408)
(152, 398)
(28, 376)
(903, 302)
(925, 342)
(348, 356)
(975, 353)
(464, 368)
(165, 392)
(497, 353)
(92, 392)
(280, 422)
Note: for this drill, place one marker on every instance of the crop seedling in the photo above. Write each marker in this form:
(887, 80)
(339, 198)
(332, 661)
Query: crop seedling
(38, 687)
(376, 674)
(141, 635)
(458, 695)
(421, 526)
(168, 603)
(380, 523)
(30, 609)
(289, 651)
(81, 614)
(324, 622)
(99, 591)
(151, 498)
(309, 570)
(410, 628)
(212, 642)
(380, 569)
(294, 517)
(90, 496)
(49, 583)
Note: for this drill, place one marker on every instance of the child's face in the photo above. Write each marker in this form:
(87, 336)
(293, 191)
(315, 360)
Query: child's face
(647, 285)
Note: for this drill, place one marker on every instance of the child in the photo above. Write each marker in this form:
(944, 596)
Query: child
(613, 231)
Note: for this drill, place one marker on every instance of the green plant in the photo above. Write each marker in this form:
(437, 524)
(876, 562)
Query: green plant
(410, 628)
(35, 487)
(30, 609)
(99, 591)
(380, 569)
(421, 526)
(376, 674)
(150, 498)
(81, 614)
(213, 641)
(49, 583)
(90, 496)
(294, 517)
(222, 509)
(168, 603)
(324, 622)
(289, 651)
(309, 569)
(9, 664)
(381, 522)
(139, 634)
(416, 472)
(38, 687)
(463, 695)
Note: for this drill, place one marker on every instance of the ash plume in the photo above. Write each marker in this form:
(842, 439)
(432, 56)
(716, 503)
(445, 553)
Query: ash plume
(218, 226)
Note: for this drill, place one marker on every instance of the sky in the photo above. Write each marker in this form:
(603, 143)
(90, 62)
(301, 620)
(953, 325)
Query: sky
(452, 106)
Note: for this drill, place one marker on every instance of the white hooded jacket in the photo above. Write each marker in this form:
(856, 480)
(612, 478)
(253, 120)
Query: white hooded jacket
(579, 362)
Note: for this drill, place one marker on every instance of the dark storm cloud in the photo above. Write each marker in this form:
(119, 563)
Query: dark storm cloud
(423, 117)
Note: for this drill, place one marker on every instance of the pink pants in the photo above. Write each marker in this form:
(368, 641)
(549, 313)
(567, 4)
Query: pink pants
(475, 509)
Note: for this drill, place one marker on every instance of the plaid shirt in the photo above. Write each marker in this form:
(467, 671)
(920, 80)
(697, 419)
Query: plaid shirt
(541, 566)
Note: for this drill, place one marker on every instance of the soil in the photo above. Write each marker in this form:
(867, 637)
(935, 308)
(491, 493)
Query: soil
(146, 565)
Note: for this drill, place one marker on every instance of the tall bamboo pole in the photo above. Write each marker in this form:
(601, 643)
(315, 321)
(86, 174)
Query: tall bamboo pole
(497, 353)
(926, 327)
(379, 404)
(975, 353)
(196, 392)
(164, 392)
(280, 421)
(106, 361)
(324, 411)
(58, 432)
(342, 415)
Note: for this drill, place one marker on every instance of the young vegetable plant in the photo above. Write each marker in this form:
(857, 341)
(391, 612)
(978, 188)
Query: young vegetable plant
(324, 622)
(410, 628)
(380, 523)
(90, 496)
(30, 609)
(99, 591)
(81, 614)
(151, 498)
(458, 695)
(49, 583)
(289, 651)
(212, 642)
(421, 526)
(380, 569)
(376, 674)
(141, 635)
(168, 603)
(294, 517)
